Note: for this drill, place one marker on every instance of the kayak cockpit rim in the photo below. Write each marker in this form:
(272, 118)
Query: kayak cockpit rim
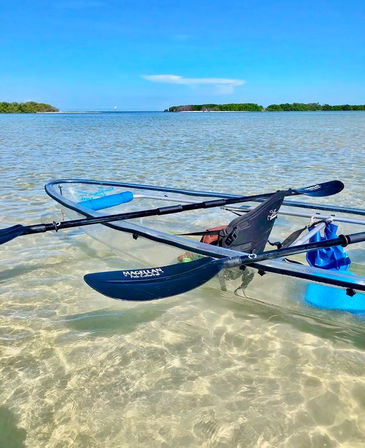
(51, 191)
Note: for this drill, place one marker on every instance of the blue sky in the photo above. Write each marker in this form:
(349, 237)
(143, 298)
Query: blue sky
(150, 54)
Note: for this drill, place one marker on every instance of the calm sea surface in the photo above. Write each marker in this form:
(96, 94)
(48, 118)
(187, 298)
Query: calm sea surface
(81, 370)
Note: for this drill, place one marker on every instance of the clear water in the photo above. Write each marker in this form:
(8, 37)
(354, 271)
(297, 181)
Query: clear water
(80, 370)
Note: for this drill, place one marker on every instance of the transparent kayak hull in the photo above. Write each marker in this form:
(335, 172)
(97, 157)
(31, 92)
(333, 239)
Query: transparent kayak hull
(157, 241)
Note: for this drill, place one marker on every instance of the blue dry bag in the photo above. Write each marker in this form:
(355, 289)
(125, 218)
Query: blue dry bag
(332, 258)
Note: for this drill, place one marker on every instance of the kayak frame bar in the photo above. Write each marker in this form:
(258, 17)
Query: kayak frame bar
(324, 207)
(342, 219)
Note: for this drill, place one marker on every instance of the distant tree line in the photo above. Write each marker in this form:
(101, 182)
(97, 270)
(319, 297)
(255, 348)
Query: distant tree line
(311, 106)
(253, 107)
(238, 107)
(27, 108)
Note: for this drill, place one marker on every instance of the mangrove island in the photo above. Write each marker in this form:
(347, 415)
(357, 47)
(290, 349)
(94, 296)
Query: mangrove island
(30, 107)
(253, 107)
(238, 107)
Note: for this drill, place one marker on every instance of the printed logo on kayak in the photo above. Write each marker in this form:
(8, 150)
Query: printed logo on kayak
(143, 273)
(313, 188)
(272, 214)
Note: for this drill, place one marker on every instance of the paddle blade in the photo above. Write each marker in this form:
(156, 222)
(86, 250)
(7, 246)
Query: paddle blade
(154, 283)
(10, 233)
(324, 189)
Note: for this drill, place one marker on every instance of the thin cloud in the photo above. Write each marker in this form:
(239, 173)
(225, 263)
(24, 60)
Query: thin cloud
(225, 85)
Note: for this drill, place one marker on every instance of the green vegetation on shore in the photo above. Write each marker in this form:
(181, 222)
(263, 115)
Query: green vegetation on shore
(239, 107)
(286, 107)
(25, 108)
(252, 107)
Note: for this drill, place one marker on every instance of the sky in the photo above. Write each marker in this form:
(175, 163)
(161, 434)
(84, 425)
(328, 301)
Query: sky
(152, 54)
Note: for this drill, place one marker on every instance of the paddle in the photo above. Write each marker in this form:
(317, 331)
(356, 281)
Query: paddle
(166, 281)
(8, 234)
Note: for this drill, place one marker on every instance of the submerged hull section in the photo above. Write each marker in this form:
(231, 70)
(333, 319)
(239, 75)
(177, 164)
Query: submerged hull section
(155, 241)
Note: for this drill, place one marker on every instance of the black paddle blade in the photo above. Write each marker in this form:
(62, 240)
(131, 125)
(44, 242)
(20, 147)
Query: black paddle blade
(10, 233)
(324, 189)
(154, 283)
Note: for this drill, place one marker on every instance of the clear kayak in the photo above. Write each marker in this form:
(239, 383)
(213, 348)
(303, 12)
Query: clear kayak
(172, 238)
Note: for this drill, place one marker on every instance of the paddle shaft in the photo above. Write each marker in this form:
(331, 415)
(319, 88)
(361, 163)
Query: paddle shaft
(342, 240)
(39, 228)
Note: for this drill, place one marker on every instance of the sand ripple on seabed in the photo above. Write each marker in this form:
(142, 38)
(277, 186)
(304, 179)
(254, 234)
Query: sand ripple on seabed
(81, 373)
(79, 369)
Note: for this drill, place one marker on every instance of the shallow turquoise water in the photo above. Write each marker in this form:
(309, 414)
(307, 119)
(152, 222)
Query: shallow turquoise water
(81, 370)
